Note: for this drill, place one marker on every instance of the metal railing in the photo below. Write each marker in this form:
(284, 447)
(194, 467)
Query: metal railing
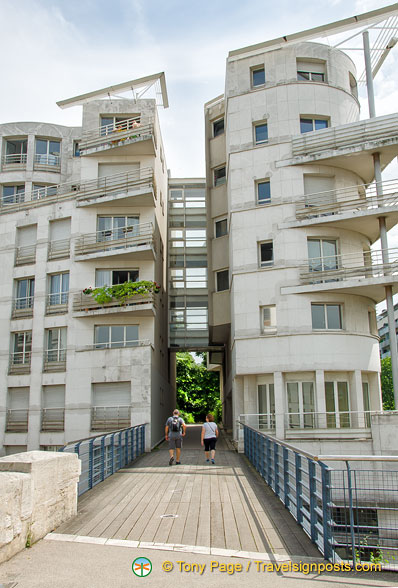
(84, 302)
(17, 420)
(53, 419)
(14, 159)
(54, 360)
(57, 302)
(348, 135)
(113, 239)
(47, 160)
(22, 307)
(350, 514)
(115, 345)
(103, 455)
(353, 198)
(329, 420)
(362, 264)
(261, 422)
(110, 418)
(12, 200)
(25, 254)
(20, 362)
(116, 134)
(58, 249)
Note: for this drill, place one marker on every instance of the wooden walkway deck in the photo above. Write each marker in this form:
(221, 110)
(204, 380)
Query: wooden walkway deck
(226, 505)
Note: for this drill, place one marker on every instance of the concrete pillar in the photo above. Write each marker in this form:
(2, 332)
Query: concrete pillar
(356, 400)
(250, 395)
(320, 421)
(280, 405)
(237, 405)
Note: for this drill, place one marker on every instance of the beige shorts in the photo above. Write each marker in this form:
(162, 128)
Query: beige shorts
(175, 443)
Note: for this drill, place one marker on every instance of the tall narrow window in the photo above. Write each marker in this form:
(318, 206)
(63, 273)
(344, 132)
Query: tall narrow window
(366, 402)
(222, 280)
(263, 192)
(24, 293)
(258, 76)
(22, 348)
(266, 254)
(268, 319)
(219, 176)
(59, 289)
(261, 133)
(56, 345)
(337, 405)
(221, 228)
(266, 406)
(218, 127)
(301, 405)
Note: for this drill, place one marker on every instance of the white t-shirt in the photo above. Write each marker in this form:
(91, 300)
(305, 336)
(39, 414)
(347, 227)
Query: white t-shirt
(210, 430)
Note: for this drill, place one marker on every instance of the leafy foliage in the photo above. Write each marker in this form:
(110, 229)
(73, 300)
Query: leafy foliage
(121, 292)
(387, 388)
(198, 391)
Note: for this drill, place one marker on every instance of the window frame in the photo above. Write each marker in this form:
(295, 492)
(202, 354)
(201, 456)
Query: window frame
(214, 122)
(49, 158)
(18, 194)
(223, 271)
(61, 295)
(256, 126)
(269, 263)
(266, 330)
(325, 306)
(59, 352)
(217, 222)
(314, 120)
(267, 391)
(110, 344)
(216, 181)
(262, 202)
(306, 419)
(253, 70)
(310, 74)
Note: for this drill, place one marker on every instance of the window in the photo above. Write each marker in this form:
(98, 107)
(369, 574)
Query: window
(326, 316)
(258, 76)
(114, 277)
(22, 348)
(266, 406)
(39, 191)
(221, 228)
(219, 176)
(17, 409)
(222, 280)
(268, 319)
(366, 402)
(59, 245)
(59, 289)
(117, 227)
(322, 255)
(13, 194)
(266, 254)
(47, 152)
(263, 192)
(337, 405)
(218, 127)
(310, 76)
(111, 336)
(311, 70)
(56, 345)
(313, 124)
(26, 245)
(353, 85)
(76, 149)
(319, 191)
(110, 124)
(372, 322)
(16, 151)
(25, 290)
(301, 405)
(260, 133)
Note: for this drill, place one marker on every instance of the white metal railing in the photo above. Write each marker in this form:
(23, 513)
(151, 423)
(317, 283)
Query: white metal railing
(57, 299)
(47, 160)
(53, 419)
(14, 159)
(58, 249)
(262, 422)
(116, 345)
(116, 133)
(105, 418)
(17, 420)
(362, 264)
(84, 302)
(119, 238)
(20, 362)
(22, 306)
(25, 254)
(346, 419)
(360, 197)
(348, 135)
(12, 200)
(55, 355)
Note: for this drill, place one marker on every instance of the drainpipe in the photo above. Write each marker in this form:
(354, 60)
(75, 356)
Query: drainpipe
(382, 222)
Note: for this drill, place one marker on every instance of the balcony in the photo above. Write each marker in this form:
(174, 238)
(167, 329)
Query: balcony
(363, 273)
(20, 362)
(137, 241)
(47, 162)
(357, 140)
(52, 419)
(17, 420)
(84, 305)
(353, 208)
(14, 161)
(58, 249)
(54, 360)
(129, 137)
(116, 345)
(22, 307)
(25, 255)
(57, 303)
(110, 418)
(328, 424)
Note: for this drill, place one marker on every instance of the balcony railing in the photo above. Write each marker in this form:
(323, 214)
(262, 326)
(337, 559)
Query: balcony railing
(14, 159)
(17, 198)
(58, 249)
(22, 307)
(352, 199)
(53, 419)
(110, 418)
(261, 422)
(348, 135)
(47, 160)
(128, 237)
(116, 134)
(20, 362)
(25, 255)
(17, 420)
(84, 302)
(57, 302)
(54, 360)
(329, 420)
(115, 345)
(364, 264)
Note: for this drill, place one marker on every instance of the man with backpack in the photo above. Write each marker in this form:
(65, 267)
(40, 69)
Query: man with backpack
(174, 432)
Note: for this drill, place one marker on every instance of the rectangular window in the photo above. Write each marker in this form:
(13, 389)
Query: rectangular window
(268, 318)
(59, 289)
(13, 194)
(221, 228)
(218, 127)
(266, 254)
(266, 406)
(56, 345)
(219, 176)
(25, 290)
(258, 76)
(337, 405)
(301, 405)
(112, 336)
(22, 347)
(264, 192)
(261, 133)
(366, 402)
(319, 191)
(222, 280)
(322, 255)
(311, 70)
(313, 124)
(76, 149)
(110, 228)
(114, 277)
(16, 151)
(47, 152)
(326, 316)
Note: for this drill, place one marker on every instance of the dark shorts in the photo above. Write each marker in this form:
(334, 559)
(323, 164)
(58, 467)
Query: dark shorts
(210, 443)
(175, 443)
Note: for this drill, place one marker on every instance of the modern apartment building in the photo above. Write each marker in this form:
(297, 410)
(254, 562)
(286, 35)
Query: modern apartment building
(384, 332)
(83, 208)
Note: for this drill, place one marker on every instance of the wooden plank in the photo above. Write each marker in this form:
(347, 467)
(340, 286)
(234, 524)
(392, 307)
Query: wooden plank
(177, 529)
(217, 532)
(232, 539)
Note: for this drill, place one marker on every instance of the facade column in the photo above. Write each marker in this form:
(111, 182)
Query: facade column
(279, 391)
(320, 422)
(237, 410)
(356, 400)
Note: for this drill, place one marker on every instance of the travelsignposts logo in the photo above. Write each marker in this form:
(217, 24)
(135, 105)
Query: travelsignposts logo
(142, 567)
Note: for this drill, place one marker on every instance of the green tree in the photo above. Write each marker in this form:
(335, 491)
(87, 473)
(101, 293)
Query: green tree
(387, 388)
(198, 390)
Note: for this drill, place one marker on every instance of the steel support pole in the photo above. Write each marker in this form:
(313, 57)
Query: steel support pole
(382, 222)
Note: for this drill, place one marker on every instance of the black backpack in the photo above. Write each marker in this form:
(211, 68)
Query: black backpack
(175, 424)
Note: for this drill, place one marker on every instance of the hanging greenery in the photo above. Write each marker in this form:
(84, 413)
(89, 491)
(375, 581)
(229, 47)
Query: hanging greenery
(122, 292)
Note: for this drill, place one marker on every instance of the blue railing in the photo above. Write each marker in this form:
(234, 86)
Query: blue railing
(102, 455)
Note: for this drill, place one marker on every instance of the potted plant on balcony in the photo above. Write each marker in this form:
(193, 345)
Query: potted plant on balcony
(122, 292)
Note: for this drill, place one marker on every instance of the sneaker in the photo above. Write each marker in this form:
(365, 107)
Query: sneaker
(207, 460)
(171, 460)
(178, 463)
(213, 462)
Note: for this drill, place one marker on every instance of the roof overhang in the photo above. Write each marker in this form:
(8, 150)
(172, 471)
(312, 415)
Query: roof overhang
(133, 85)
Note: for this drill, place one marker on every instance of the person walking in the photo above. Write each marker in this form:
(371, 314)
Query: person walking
(209, 437)
(174, 432)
